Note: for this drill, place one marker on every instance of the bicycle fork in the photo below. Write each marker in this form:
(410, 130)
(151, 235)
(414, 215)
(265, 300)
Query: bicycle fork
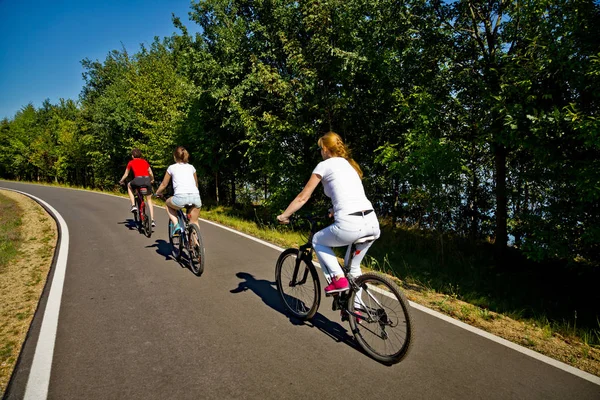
(299, 259)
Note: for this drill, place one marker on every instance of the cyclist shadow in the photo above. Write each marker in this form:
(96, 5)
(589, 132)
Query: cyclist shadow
(269, 294)
(130, 224)
(163, 248)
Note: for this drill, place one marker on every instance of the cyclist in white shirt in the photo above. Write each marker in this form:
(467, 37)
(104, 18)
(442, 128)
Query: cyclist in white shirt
(353, 213)
(185, 188)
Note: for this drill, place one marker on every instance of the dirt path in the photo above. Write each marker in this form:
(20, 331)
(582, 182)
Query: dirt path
(22, 281)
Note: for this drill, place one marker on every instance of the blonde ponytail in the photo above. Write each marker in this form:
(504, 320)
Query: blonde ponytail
(335, 145)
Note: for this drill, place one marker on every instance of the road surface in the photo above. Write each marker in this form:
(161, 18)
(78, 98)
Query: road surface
(134, 324)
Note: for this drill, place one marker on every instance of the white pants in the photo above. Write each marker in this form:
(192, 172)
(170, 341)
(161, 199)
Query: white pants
(344, 231)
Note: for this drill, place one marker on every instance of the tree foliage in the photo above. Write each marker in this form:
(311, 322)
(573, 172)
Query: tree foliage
(476, 119)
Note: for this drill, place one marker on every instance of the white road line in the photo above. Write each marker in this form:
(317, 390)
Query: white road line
(560, 365)
(39, 375)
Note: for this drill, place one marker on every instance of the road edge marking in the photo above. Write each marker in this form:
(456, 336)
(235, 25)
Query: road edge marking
(38, 381)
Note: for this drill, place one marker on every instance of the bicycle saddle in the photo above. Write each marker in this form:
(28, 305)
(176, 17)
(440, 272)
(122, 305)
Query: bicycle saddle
(365, 239)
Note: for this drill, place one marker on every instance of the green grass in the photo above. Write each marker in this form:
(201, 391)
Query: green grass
(10, 232)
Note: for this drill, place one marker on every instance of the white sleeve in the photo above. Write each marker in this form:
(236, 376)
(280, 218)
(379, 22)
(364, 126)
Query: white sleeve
(321, 169)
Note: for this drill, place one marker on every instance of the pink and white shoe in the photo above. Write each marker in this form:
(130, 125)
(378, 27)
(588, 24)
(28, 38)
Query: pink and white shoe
(337, 285)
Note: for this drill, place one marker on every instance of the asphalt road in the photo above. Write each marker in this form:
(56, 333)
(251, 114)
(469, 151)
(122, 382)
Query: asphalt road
(134, 324)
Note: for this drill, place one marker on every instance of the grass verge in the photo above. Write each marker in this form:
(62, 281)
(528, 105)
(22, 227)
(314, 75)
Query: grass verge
(10, 233)
(27, 243)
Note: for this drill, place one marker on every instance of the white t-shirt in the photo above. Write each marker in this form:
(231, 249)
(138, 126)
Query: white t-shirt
(183, 178)
(343, 185)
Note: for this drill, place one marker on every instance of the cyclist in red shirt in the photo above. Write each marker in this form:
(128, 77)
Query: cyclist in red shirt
(142, 176)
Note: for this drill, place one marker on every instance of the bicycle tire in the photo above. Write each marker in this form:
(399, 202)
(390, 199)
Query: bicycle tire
(306, 307)
(378, 321)
(175, 242)
(147, 222)
(195, 252)
(135, 216)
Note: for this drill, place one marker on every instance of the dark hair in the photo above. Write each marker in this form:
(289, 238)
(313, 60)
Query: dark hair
(136, 153)
(181, 154)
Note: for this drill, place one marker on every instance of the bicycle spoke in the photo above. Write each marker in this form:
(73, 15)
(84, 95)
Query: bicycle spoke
(299, 291)
(385, 329)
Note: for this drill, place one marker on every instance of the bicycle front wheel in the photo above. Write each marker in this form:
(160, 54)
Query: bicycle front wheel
(384, 328)
(195, 249)
(298, 284)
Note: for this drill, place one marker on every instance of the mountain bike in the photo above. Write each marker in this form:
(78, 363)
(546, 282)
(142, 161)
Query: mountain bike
(375, 307)
(141, 217)
(143, 213)
(189, 240)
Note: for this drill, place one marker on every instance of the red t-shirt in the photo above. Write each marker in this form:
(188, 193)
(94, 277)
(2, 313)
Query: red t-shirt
(139, 167)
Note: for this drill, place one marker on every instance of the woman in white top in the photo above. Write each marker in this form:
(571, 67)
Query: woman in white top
(353, 212)
(185, 188)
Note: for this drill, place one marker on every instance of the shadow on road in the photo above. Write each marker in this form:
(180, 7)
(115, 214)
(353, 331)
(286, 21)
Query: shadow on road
(163, 248)
(130, 224)
(268, 293)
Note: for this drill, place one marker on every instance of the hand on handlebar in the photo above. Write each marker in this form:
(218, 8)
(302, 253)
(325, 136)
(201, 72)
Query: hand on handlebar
(283, 220)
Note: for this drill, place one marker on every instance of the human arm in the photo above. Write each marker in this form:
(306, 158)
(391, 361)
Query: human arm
(163, 184)
(151, 174)
(124, 175)
(196, 179)
(300, 199)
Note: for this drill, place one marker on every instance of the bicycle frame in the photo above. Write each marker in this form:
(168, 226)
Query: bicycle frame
(183, 220)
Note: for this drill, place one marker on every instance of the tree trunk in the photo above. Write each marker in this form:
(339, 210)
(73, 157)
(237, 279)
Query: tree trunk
(501, 203)
(217, 187)
(266, 187)
(233, 198)
(474, 209)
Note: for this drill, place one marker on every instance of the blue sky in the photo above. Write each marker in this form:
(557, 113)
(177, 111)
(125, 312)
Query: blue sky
(43, 42)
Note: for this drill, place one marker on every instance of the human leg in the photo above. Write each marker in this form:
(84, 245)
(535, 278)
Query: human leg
(150, 205)
(369, 226)
(337, 235)
(323, 243)
(131, 198)
(172, 211)
(194, 213)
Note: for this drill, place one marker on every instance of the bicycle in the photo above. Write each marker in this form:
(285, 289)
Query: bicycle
(375, 306)
(188, 240)
(142, 217)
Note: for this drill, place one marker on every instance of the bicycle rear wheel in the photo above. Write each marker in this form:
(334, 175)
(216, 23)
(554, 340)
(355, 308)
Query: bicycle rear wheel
(136, 219)
(147, 222)
(384, 330)
(195, 249)
(176, 242)
(301, 294)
